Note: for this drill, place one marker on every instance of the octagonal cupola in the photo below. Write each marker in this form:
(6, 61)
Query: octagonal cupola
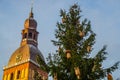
(29, 33)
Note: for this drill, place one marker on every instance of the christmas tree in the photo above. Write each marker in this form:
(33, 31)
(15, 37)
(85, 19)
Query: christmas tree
(72, 60)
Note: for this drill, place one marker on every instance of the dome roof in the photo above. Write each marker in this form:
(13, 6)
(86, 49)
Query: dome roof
(30, 22)
(25, 53)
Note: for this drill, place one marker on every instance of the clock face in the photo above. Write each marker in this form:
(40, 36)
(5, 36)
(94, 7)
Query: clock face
(18, 57)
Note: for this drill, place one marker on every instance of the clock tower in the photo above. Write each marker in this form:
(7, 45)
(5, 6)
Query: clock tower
(23, 63)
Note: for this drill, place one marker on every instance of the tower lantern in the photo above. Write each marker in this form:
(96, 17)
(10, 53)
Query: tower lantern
(29, 33)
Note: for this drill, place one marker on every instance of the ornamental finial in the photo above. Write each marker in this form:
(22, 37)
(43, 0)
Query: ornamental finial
(31, 13)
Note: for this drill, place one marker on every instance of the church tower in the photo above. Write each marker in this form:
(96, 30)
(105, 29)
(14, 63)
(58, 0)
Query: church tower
(23, 63)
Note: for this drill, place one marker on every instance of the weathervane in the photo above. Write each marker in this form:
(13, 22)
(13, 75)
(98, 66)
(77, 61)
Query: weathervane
(31, 13)
(32, 2)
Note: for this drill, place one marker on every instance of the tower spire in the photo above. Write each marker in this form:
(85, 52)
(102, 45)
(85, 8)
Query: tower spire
(31, 13)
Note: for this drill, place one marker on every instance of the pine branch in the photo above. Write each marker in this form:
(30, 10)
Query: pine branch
(112, 68)
(101, 55)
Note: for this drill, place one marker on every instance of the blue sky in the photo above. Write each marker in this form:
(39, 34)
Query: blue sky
(103, 14)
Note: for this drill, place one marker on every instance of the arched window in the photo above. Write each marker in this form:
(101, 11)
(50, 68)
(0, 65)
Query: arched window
(30, 35)
(34, 37)
(25, 35)
(18, 75)
(11, 76)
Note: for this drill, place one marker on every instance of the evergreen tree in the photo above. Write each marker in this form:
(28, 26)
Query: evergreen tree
(75, 40)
